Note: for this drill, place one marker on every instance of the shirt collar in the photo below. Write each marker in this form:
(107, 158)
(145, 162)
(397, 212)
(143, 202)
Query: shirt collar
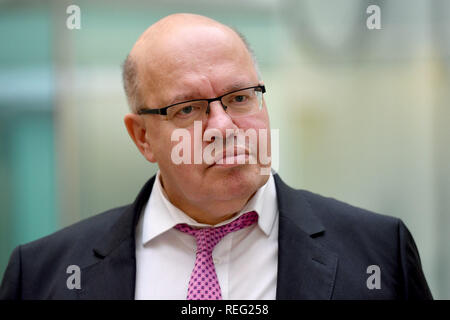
(160, 214)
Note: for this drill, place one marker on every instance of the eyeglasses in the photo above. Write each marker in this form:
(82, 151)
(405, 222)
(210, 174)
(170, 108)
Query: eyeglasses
(238, 103)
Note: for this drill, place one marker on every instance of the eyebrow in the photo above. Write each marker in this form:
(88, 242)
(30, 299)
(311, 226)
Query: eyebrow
(189, 96)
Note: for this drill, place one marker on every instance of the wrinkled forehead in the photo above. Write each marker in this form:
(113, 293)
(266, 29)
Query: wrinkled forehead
(192, 58)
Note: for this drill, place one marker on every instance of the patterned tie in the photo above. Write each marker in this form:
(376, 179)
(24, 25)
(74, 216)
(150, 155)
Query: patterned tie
(204, 284)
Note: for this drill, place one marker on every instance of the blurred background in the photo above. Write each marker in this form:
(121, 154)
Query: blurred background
(362, 114)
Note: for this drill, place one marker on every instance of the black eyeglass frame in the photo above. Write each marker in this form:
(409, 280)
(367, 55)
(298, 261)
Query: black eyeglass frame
(163, 111)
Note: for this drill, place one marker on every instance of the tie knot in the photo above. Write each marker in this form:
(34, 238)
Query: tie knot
(207, 238)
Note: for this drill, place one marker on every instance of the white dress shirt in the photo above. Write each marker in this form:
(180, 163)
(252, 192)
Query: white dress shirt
(246, 260)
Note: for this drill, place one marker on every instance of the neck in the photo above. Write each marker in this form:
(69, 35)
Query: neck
(223, 210)
(202, 211)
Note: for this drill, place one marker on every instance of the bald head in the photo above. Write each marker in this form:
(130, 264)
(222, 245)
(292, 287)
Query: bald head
(177, 42)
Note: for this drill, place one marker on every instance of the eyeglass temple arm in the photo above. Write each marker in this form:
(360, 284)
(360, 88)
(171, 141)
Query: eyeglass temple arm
(162, 111)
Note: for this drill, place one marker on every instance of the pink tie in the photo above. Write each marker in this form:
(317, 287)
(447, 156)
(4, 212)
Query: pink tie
(204, 284)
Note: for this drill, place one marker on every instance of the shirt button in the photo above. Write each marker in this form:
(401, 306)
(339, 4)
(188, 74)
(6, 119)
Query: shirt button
(216, 260)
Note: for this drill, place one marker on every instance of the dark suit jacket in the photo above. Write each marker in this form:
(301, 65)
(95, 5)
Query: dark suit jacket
(325, 247)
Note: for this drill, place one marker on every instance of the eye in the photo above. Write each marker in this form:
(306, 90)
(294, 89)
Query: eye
(186, 110)
(240, 98)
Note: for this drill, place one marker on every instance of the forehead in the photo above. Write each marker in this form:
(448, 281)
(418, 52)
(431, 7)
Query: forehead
(214, 81)
(196, 62)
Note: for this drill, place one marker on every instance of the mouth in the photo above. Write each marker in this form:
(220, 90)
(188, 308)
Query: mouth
(231, 158)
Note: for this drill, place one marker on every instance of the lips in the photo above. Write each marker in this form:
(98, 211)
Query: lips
(229, 157)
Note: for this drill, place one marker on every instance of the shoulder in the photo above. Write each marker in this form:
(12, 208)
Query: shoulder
(35, 268)
(71, 245)
(336, 212)
(344, 228)
(350, 231)
(79, 234)
(348, 227)
(335, 216)
(362, 239)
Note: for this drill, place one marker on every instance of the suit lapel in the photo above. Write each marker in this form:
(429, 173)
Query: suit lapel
(112, 272)
(306, 269)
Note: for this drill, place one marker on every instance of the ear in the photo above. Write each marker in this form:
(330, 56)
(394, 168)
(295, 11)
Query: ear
(138, 132)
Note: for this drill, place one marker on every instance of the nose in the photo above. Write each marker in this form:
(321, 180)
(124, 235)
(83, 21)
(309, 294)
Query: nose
(219, 120)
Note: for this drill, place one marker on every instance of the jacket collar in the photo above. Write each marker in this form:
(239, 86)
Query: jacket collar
(125, 227)
(293, 206)
(113, 275)
(306, 270)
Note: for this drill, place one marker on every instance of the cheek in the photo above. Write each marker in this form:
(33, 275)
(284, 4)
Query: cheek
(159, 139)
(260, 124)
(256, 121)
(178, 143)
(252, 124)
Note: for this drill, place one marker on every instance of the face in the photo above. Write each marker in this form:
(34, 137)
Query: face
(200, 62)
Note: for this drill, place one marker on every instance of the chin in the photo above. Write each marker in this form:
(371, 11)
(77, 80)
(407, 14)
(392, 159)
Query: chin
(239, 181)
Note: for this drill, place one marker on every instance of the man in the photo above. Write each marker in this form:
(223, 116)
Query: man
(223, 228)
